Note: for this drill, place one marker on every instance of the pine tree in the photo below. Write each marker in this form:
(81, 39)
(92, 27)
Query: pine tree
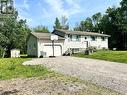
(57, 24)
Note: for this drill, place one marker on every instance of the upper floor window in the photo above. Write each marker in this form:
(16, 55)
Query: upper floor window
(78, 37)
(103, 38)
(93, 38)
(70, 37)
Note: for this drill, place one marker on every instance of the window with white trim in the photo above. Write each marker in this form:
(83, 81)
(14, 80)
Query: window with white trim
(78, 37)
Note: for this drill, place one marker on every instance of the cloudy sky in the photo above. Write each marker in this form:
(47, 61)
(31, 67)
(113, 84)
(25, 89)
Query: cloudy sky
(44, 12)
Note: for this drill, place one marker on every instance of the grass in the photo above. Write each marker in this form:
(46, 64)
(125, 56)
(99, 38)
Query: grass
(114, 56)
(12, 68)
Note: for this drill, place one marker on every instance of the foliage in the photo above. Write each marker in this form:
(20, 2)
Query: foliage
(12, 68)
(113, 22)
(96, 20)
(115, 56)
(63, 24)
(1, 52)
(41, 28)
(13, 33)
(57, 24)
(87, 25)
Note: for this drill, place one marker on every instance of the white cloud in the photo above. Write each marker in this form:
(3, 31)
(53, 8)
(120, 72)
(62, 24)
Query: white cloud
(75, 7)
(57, 8)
(23, 8)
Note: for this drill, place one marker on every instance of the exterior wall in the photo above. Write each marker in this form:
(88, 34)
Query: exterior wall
(82, 43)
(32, 46)
(99, 44)
(42, 43)
(68, 43)
(15, 53)
(35, 46)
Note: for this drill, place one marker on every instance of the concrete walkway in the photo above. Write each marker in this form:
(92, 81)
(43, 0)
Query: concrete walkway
(111, 75)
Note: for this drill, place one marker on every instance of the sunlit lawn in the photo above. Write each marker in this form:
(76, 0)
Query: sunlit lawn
(13, 68)
(116, 56)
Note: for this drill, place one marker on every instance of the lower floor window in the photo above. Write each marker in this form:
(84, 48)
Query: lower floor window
(103, 38)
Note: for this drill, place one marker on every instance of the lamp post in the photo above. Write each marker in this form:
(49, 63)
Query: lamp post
(53, 39)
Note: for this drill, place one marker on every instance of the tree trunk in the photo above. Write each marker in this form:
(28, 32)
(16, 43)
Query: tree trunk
(3, 55)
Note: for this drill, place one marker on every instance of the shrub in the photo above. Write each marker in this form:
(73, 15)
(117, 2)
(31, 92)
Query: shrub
(1, 52)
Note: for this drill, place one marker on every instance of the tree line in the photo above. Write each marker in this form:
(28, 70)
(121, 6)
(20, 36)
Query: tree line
(14, 32)
(113, 22)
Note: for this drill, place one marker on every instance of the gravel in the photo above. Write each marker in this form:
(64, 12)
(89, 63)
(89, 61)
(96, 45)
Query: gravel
(34, 86)
(111, 75)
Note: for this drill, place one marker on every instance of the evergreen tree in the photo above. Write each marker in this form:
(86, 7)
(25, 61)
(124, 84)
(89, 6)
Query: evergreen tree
(41, 28)
(57, 24)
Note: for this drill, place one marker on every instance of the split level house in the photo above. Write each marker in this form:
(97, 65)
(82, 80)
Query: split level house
(40, 44)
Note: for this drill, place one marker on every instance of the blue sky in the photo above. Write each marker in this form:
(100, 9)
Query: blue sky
(44, 12)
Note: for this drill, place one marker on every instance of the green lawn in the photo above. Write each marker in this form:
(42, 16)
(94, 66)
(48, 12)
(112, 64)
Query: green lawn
(115, 56)
(12, 68)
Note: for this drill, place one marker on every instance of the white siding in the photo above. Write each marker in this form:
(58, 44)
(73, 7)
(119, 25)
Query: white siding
(35, 47)
(98, 43)
(43, 43)
(82, 43)
(15, 53)
(73, 43)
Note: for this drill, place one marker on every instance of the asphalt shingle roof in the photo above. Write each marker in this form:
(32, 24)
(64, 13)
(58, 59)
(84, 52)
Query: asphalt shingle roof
(81, 33)
(43, 35)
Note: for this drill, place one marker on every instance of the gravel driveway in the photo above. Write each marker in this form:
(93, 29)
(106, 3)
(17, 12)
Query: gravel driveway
(111, 75)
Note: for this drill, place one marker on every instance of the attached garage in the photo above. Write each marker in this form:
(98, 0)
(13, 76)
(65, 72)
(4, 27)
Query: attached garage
(48, 49)
(40, 45)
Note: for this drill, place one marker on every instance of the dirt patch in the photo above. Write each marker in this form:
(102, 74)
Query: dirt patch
(34, 86)
(49, 86)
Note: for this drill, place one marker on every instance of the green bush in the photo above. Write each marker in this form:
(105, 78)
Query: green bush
(1, 52)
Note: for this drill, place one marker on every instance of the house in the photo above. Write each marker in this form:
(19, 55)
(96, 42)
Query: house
(40, 44)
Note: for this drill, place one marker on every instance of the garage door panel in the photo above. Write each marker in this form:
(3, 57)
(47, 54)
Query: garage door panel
(49, 50)
(57, 51)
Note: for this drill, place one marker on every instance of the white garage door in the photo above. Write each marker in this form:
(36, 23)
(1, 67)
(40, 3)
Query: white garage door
(49, 50)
